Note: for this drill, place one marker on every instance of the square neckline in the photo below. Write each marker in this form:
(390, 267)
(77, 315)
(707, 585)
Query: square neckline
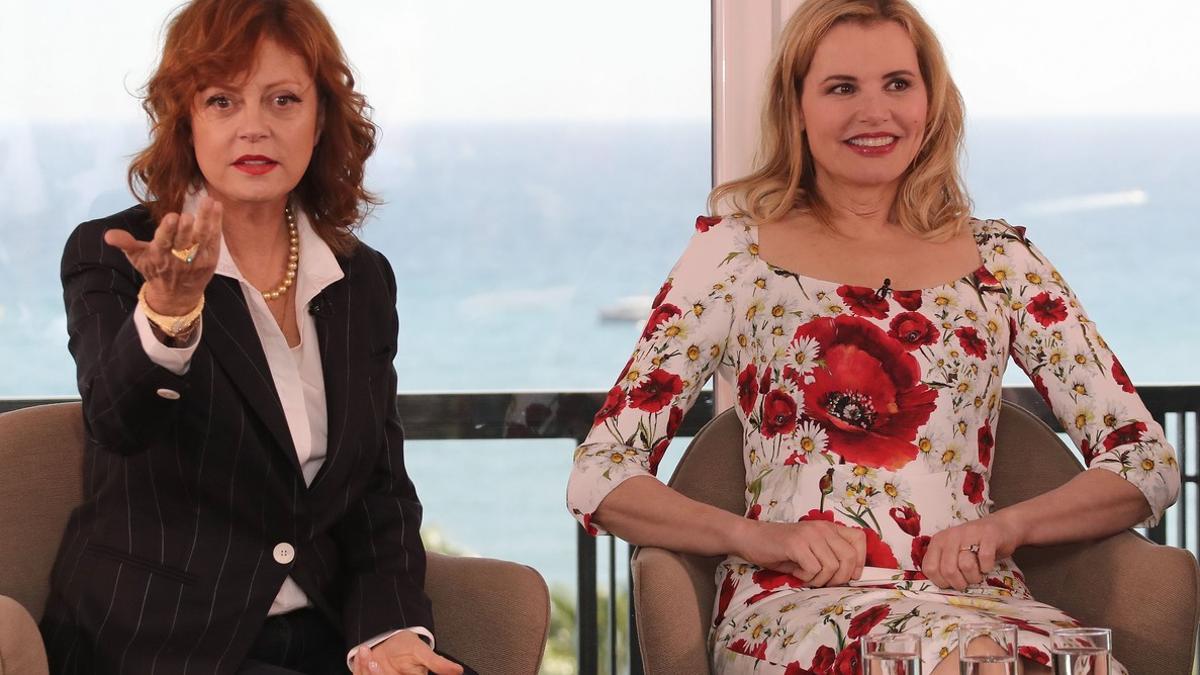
(975, 231)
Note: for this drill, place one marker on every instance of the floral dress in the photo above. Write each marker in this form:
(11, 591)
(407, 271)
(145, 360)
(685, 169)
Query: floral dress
(874, 410)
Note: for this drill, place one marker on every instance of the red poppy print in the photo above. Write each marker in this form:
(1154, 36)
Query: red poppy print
(705, 223)
(864, 302)
(1122, 378)
(919, 546)
(864, 621)
(868, 396)
(792, 375)
(747, 385)
(983, 277)
(587, 525)
(879, 554)
(1039, 386)
(757, 650)
(814, 514)
(1046, 309)
(910, 300)
(1126, 435)
(971, 343)
(770, 581)
(1034, 654)
(823, 659)
(1023, 625)
(657, 453)
(661, 314)
(613, 404)
(907, 518)
(912, 330)
(848, 661)
(754, 512)
(973, 487)
(765, 383)
(779, 414)
(728, 585)
(674, 419)
(986, 442)
(656, 392)
(1086, 449)
(662, 294)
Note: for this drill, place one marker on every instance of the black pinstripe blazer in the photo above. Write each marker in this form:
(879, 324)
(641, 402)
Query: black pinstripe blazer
(168, 566)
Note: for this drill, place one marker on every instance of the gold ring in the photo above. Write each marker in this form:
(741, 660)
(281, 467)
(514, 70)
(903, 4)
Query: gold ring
(187, 255)
(973, 548)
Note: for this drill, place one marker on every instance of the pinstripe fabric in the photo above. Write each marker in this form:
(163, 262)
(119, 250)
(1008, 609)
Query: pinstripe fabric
(167, 566)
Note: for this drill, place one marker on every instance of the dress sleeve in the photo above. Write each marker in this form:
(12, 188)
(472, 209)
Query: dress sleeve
(1080, 378)
(681, 346)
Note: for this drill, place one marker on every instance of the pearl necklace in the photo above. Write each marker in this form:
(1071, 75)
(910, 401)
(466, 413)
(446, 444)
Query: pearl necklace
(289, 277)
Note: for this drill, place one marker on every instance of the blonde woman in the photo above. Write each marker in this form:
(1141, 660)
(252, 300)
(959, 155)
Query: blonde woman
(867, 320)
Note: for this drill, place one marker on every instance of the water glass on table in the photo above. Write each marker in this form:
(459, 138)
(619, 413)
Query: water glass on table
(1081, 651)
(891, 654)
(1001, 654)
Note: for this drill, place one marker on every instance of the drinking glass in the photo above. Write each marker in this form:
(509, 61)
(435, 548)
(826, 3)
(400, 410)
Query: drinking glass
(1004, 662)
(891, 654)
(1081, 651)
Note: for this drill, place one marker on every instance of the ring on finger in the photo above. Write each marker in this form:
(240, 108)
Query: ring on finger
(187, 255)
(973, 548)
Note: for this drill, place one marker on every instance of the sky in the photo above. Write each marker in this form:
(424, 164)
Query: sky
(73, 60)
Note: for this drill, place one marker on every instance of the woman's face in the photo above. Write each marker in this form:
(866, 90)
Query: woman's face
(864, 105)
(255, 136)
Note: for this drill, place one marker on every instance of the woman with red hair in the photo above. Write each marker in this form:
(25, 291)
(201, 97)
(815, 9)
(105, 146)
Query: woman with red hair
(246, 507)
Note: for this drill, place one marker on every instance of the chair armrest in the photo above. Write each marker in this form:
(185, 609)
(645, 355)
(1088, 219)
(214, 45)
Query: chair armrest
(673, 596)
(1148, 594)
(493, 615)
(21, 650)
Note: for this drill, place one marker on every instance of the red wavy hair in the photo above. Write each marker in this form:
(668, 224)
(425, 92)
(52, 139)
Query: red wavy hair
(214, 41)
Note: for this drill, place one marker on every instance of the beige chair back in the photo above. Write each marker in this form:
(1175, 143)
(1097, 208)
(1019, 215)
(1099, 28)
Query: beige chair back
(1148, 594)
(41, 456)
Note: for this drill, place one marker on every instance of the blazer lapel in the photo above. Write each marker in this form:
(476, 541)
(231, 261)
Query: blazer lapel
(230, 334)
(342, 355)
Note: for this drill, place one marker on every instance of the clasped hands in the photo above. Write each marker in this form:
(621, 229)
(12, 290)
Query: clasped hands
(402, 654)
(823, 553)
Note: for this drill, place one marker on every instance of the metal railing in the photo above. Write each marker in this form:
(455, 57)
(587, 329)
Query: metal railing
(568, 415)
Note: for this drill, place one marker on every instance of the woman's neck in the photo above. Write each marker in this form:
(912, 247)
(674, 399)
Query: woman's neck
(256, 236)
(857, 211)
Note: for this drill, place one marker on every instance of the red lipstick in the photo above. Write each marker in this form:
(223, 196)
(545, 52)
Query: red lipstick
(255, 165)
(874, 144)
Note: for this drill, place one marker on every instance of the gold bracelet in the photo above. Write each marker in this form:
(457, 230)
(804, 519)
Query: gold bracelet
(171, 326)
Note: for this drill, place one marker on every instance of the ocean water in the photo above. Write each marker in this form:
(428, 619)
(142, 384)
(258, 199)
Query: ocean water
(508, 240)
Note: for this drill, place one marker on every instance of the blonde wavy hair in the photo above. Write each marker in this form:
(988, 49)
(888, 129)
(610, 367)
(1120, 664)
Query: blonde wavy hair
(931, 202)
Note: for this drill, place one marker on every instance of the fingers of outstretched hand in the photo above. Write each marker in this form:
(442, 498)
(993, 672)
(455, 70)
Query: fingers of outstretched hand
(123, 240)
(209, 230)
(164, 234)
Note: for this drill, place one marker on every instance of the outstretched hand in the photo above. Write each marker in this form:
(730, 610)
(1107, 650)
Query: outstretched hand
(173, 285)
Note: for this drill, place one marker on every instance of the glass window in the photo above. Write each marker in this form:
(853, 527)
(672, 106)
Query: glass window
(1083, 120)
(541, 161)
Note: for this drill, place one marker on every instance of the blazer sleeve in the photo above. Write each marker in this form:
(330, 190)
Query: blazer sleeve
(127, 398)
(380, 534)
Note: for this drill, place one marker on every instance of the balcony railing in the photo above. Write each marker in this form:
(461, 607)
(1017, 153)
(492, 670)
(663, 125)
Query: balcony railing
(568, 415)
